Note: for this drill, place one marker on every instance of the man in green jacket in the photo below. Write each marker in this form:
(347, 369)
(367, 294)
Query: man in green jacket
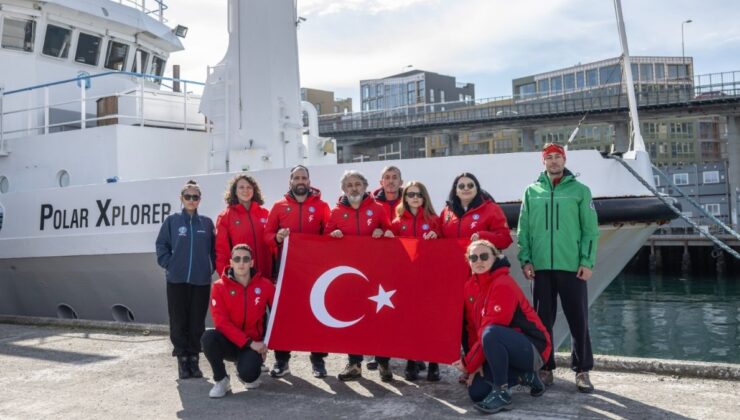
(558, 232)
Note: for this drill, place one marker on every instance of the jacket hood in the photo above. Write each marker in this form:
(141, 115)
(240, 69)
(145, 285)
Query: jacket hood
(568, 176)
(313, 194)
(479, 200)
(379, 195)
(344, 201)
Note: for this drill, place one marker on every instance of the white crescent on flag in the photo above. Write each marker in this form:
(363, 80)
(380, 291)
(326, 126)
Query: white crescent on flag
(318, 296)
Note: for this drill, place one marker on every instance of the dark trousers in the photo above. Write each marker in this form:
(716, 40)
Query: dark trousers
(509, 355)
(548, 285)
(187, 306)
(218, 348)
(284, 356)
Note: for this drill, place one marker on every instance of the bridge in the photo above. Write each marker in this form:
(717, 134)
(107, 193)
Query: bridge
(711, 94)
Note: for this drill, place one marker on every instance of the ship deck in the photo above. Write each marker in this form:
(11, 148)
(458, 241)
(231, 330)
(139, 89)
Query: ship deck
(66, 372)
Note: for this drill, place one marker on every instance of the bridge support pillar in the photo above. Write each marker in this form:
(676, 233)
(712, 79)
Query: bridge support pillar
(528, 139)
(733, 165)
(685, 259)
(655, 262)
(621, 136)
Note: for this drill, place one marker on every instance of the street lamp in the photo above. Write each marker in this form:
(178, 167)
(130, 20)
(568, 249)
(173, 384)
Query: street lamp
(683, 54)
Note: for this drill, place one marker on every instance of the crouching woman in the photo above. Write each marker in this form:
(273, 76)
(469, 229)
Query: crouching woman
(240, 300)
(511, 341)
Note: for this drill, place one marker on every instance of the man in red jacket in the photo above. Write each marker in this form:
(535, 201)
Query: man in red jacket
(301, 210)
(357, 213)
(389, 193)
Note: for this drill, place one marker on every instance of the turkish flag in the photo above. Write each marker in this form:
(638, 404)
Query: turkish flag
(394, 297)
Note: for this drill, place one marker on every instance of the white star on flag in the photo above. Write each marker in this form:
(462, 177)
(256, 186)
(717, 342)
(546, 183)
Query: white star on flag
(383, 298)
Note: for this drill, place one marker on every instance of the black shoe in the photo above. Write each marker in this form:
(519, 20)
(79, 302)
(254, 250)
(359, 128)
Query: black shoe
(412, 371)
(183, 367)
(533, 381)
(422, 366)
(497, 400)
(372, 364)
(195, 371)
(318, 369)
(280, 369)
(433, 373)
(350, 372)
(385, 372)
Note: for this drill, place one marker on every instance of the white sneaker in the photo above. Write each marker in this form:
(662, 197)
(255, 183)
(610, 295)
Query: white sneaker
(251, 385)
(221, 388)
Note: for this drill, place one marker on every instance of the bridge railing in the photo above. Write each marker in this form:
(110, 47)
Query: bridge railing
(705, 88)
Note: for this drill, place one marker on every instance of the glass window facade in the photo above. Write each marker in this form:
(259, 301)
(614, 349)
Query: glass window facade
(543, 86)
(580, 80)
(569, 81)
(611, 74)
(525, 91)
(556, 84)
(646, 72)
(592, 78)
(659, 71)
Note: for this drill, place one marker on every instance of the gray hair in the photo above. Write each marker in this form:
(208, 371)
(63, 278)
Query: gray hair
(391, 168)
(352, 173)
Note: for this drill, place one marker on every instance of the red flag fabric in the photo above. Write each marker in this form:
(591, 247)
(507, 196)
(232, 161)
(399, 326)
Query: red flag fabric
(394, 297)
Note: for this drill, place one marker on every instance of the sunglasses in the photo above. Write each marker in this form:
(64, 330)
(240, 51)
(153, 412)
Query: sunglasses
(483, 257)
(245, 259)
(191, 197)
(469, 186)
(414, 195)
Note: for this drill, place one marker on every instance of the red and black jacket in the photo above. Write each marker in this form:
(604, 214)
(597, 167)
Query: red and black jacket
(359, 222)
(311, 216)
(500, 301)
(237, 225)
(239, 312)
(485, 217)
(388, 205)
(415, 226)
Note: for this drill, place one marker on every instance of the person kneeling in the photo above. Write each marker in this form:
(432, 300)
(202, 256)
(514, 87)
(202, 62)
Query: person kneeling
(240, 300)
(512, 342)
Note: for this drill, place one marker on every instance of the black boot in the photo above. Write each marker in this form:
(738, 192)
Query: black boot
(433, 372)
(183, 367)
(195, 371)
(412, 371)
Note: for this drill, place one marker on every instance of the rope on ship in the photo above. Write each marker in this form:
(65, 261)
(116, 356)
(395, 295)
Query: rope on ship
(673, 208)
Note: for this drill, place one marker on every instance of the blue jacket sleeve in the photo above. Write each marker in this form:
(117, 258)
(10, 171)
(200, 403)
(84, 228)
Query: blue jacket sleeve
(164, 244)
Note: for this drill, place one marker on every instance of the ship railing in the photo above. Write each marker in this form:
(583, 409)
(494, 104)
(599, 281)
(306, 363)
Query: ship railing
(143, 103)
(150, 7)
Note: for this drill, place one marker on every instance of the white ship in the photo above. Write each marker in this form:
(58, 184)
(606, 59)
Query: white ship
(94, 147)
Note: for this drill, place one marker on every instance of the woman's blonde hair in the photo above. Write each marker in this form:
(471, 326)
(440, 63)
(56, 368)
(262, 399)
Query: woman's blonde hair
(429, 212)
(482, 242)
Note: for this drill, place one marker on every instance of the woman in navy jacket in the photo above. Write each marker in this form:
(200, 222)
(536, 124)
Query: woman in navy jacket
(185, 249)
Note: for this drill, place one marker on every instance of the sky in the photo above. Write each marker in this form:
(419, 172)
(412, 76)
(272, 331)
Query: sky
(485, 42)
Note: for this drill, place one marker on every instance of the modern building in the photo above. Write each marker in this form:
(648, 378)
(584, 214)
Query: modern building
(325, 102)
(413, 88)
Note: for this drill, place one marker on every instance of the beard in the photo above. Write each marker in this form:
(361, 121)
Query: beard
(354, 199)
(299, 190)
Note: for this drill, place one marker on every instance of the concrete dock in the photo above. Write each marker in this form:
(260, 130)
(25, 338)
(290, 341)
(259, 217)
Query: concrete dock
(66, 372)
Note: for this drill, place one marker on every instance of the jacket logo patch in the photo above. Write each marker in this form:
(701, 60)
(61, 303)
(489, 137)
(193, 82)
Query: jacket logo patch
(369, 213)
(288, 208)
(497, 308)
(403, 227)
(263, 220)
(213, 302)
(182, 230)
(369, 221)
(237, 222)
(257, 291)
(425, 227)
(257, 300)
(310, 218)
(232, 293)
(476, 216)
(312, 209)
(471, 299)
(473, 225)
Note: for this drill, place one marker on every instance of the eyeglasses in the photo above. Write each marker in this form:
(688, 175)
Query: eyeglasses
(469, 186)
(483, 257)
(414, 195)
(245, 259)
(191, 197)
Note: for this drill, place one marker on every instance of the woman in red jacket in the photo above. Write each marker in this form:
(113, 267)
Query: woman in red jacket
(511, 342)
(240, 300)
(416, 218)
(471, 213)
(243, 222)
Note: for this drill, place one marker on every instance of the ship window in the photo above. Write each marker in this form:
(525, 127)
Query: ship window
(158, 67)
(18, 34)
(88, 49)
(56, 42)
(115, 59)
(63, 178)
(4, 184)
(144, 57)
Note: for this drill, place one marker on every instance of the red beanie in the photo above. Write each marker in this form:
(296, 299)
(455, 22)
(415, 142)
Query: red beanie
(553, 148)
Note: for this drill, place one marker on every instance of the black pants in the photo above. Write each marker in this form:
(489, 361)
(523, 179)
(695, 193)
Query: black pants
(284, 356)
(187, 306)
(548, 285)
(218, 348)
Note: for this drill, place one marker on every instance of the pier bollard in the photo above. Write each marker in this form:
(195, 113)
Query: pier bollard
(685, 259)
